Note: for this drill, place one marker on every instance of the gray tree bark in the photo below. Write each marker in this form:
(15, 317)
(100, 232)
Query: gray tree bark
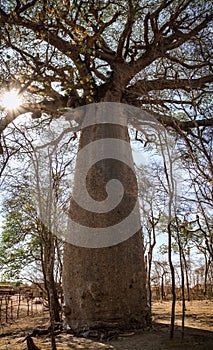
(105, 288)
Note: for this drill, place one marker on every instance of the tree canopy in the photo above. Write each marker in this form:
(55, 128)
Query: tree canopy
(155, 55)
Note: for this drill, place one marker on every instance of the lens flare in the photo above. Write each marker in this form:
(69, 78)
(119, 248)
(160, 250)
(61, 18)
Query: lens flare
(10, 100)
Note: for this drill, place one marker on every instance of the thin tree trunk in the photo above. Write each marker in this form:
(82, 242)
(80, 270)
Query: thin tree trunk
(187, 276)
(182, 283)
(205, 275)
(48, 258)
(19, 303)
(173, 281)
(162, 287)
(53, 304)
(152, 239)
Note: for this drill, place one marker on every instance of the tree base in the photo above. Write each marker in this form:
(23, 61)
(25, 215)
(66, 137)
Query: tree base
(107, 331)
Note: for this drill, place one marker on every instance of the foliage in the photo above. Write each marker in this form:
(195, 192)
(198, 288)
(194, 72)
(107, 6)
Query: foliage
(153, 54)
(20, 242)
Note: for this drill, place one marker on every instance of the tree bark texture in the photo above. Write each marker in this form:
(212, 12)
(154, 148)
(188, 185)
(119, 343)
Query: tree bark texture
(105, 288)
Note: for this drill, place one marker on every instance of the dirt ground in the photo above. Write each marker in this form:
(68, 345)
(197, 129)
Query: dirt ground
(198, 332)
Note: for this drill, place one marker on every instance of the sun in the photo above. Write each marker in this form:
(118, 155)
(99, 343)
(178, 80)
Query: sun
(10, 100)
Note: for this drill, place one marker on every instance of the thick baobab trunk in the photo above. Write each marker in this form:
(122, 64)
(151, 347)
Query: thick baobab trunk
(104, 288)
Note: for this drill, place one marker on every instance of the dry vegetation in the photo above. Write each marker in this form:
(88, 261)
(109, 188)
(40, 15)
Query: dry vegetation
(198, 332)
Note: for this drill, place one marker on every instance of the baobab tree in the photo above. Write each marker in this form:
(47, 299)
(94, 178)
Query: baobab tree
(153, 55)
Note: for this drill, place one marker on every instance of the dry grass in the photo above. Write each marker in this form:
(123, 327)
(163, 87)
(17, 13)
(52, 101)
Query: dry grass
(198, 332)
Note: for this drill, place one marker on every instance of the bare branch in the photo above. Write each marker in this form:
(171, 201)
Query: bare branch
(144, 86)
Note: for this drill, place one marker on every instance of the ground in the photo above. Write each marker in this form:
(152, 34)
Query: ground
(198, 332)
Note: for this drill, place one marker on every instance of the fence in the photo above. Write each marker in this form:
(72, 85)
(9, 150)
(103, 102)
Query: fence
(13, 307)
(198, 292)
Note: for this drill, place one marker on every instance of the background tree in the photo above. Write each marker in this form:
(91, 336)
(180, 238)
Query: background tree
(27, 243)
(19, 242)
